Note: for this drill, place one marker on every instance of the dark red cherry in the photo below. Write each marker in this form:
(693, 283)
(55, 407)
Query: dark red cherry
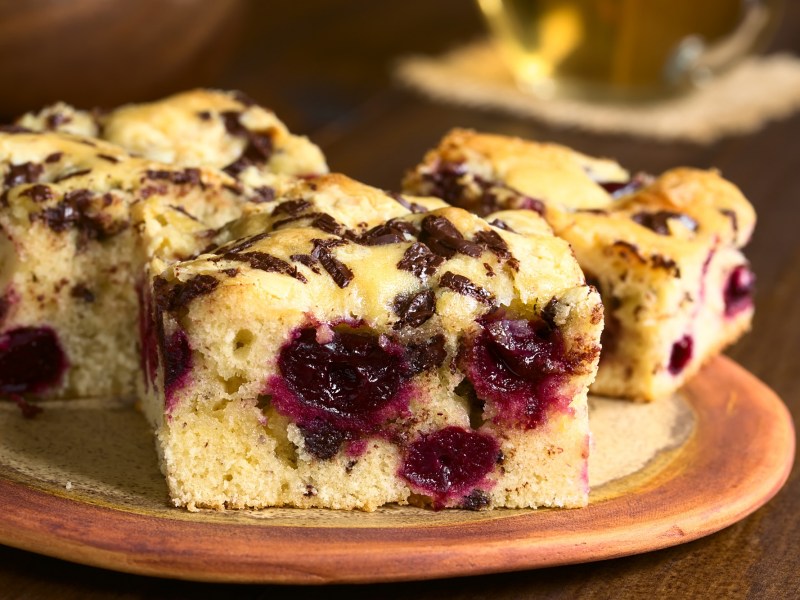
(352, 382)
(31, 360)
(521, 367)
(738, 292)
(681, 354)
(449, 463)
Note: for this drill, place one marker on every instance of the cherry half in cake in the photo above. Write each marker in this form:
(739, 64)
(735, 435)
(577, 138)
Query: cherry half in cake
(451, 463)
(31, 360)
(340, 386)
(520, 366)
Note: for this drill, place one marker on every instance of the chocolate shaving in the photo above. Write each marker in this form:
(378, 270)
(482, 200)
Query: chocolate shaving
(183, 211)
(108, 158)
(204, 115)
(186, 176)
(245, 243)
(441, 236)
(266, 262)
(419, 260)
(181, 294)
(54, 157)
(414, 309)
(291, 207)
(463, 286)
(412, 206)
(307, 260)
(66, 176)
(320, 220)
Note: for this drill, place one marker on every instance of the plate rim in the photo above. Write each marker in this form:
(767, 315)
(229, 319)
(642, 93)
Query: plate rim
(651, 517)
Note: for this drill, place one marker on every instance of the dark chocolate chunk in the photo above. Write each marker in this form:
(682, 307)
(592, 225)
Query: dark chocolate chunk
(618, 189)
(339, 272)
(427, 355)
(263, 193)
(79, 209)
(475, 500)
(493, 242)
(54, 157)
(419, 260)
(414, 309)
(441, 236)
(291, 207)
(501, 225)
(659, 221)
(391, 232)
(39, 193)
(55, 119)
(81, 292)
(323, 440)
(204, 115)
(230, 118)
(463, 286)
(28, 172)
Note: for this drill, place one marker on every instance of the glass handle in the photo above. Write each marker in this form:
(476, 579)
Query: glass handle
(695, 62)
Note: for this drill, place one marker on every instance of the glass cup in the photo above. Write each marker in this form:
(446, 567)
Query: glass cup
(625, 49)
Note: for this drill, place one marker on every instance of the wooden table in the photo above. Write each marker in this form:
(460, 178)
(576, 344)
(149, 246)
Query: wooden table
(325, 67)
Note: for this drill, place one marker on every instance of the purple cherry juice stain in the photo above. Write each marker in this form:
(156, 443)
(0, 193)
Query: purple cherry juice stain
(31, 361)
(177, 365)
(681, 354)
(448, 464)
(346, 382)
(738, 292)
(522, 368)
(148, 339)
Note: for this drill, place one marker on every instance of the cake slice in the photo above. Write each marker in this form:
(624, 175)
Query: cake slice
(211, 128)
(72, 253)
(664, 252)
(429, 359)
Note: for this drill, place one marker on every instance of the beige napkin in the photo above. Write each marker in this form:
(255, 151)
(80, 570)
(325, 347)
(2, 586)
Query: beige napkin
(758, 90)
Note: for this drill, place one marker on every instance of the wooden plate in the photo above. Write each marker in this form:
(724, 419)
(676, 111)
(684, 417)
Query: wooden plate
(80, 482)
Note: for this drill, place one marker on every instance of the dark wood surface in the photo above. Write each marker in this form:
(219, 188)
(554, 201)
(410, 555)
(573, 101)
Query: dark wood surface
(325, 67)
